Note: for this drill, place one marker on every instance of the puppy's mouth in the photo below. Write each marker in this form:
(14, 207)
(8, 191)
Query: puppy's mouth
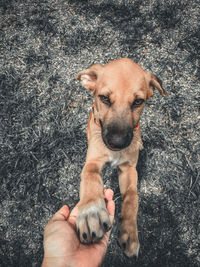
(116, 138)
(113, 148)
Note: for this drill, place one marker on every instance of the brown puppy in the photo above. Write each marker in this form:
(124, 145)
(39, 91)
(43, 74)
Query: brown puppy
(120, 89)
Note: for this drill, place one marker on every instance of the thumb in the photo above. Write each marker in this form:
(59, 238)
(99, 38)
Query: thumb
(61, 215)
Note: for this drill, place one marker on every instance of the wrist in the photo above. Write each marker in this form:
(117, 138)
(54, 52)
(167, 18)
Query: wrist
(64, 262)
(55, 262)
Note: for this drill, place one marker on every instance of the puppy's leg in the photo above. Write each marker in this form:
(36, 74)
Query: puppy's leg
(128, 236)
(93, 219)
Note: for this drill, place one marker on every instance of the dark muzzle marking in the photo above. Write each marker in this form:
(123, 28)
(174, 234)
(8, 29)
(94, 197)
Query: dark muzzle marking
(117, 138)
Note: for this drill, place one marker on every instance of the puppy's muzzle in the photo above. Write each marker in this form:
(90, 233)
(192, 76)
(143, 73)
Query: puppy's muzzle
(117, 138)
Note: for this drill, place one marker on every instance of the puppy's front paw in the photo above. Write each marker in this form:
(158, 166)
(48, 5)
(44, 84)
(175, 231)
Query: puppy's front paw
(92, 221)
(128, 238)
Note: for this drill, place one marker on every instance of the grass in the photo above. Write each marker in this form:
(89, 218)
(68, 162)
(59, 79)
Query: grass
(44, 111)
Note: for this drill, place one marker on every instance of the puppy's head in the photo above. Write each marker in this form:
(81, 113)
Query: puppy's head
(121, 89)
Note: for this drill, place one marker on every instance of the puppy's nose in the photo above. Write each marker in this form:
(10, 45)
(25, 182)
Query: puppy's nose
(119, 140)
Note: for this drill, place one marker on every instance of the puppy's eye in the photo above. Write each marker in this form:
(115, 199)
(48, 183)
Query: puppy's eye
(138, 102)
(105, 100)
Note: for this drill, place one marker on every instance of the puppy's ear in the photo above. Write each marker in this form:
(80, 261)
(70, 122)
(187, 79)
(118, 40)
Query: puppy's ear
(88, 77)
(154, 82)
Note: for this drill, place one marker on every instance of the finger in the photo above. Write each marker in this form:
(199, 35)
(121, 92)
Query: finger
(61, 215)
(73, 215)
(106, 238)
(108, 193)
(110, 205)
(111, 208)
(104, 241)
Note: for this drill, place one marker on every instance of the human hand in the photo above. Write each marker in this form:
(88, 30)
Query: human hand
(62, 246)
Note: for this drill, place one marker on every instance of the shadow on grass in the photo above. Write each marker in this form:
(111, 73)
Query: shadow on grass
(133, 21)
(160, 241)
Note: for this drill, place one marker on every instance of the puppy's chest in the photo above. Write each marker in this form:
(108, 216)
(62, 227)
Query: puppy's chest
(115, 161)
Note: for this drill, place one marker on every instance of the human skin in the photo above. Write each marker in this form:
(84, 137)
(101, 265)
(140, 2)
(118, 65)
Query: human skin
(62, 247)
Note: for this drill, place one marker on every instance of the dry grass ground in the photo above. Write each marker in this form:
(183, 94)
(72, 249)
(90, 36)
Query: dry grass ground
(44, 110)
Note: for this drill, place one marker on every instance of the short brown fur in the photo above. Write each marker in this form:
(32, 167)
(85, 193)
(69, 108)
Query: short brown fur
(122, 83)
